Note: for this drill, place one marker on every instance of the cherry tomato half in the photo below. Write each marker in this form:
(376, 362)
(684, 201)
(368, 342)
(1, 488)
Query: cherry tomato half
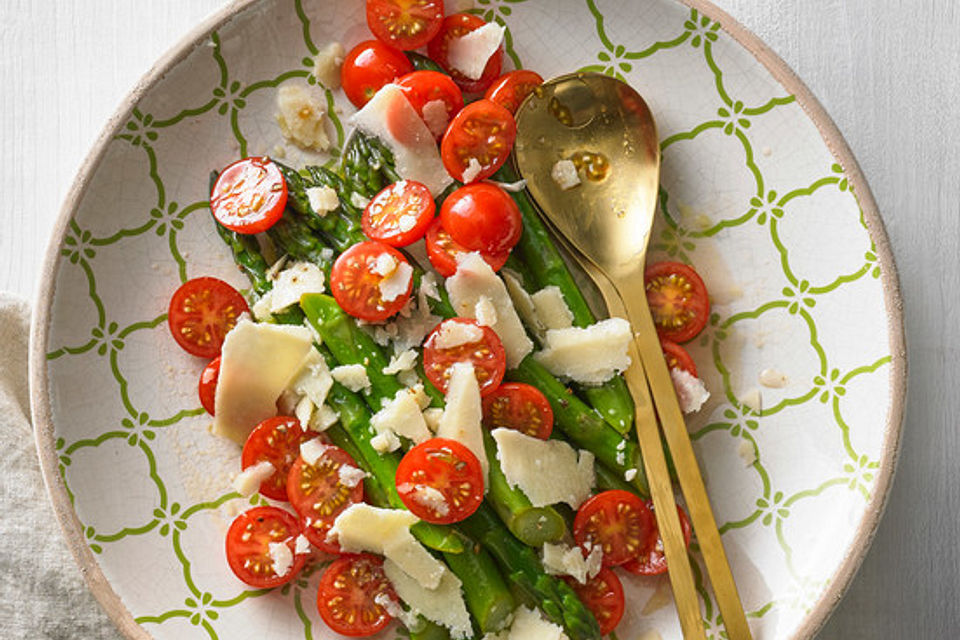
(200, 314)
(347, 595)
(478, 141)
(249, 195)
(276, 440)
(653, 561)
(487, 356)
(518, 406)
(440, 481)
(248, 546)
(442, 250)
(361, 272)
(603, 595)
(678, 358)
(618, 521)
(435, 97)
(455, 26)
(370, 65)
(318, 494)
(511, 88)
(400, 214)
(678, 300)
(482, 217)
(207, 387)
(405, 24)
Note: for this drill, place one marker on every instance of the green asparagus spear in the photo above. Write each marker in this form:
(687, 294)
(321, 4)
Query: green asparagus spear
(556, 599)
(542, 261)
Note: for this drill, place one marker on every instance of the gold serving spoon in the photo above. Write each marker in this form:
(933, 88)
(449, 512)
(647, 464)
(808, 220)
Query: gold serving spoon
(606, 130)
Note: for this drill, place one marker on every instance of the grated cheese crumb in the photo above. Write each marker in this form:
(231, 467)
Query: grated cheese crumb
(352, 376)
(564, 173)
(282, 558)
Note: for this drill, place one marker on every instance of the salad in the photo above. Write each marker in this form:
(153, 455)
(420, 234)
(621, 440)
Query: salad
(423, 396)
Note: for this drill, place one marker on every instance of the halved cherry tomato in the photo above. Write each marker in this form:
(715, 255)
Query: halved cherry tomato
(678, 300)
(442, 250)
(405, 24)
(653, 561)
(603, 595)
(423, 88)
(347, 595)
(370, 65)
(487, 356)
(400, 214)
(200, 314)
(357, 277)
(482, 217)
(455, 26)
(207, 388)
(440, 481)
(248, 546)
(618, 521)
(511, 88)
(518, 406)
(249, 195)
(276, 440)
(318, 495)
(677, 357)
(478, 141)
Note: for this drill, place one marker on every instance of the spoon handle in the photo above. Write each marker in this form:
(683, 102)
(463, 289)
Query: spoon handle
(658, 476)
(688, 471)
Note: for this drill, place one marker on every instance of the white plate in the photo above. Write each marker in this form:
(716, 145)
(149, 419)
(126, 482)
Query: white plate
(760, 194)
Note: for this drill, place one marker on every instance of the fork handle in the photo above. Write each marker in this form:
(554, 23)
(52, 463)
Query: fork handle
(688, 471)
(665, 510)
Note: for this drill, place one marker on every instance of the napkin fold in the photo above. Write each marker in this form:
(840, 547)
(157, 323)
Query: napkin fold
(42, 594)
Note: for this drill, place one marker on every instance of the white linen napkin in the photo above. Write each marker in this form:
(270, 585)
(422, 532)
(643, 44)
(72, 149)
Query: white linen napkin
(42, 594)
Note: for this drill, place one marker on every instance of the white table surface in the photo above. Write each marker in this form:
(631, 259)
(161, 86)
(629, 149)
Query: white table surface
(886, 70)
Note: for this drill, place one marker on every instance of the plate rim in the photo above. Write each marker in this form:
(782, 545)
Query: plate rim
(41, 411)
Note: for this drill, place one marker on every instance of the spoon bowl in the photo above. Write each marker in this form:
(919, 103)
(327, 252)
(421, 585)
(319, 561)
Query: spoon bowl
(605, 128)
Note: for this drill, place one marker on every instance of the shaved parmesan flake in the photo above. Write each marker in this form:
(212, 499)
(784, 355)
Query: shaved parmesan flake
(461, 420)
(298, 279)
(384, 265)
(323, 200)
(303, 412)
(472, 171)
(361, 527)
(282, 558)
(773, 379)
(552, 309)
(413, 145)
(301, 545)
(432, 417)
(401, 416)
(350, 476)
(397, 283)
(384, 442)
(690, 390)
(395, 610)
(326, 66)
(442, 604)
(485, 312)
(403, 361)
(529, 624)
(313, 380)
(564, 173)
(302, 118)
(469, 53)
(257, 363)
(352, 376)
(562, 559)
(323, 418)
(359, 201)
(248, 481)
(436, 117)
(523, 303)
(427, 496)
(261, 308)
(753, 400)
(747, 452)
(546, 471)
(513, 187)
(589, 355)
(455, 334)
(475, 279)
(312, 450)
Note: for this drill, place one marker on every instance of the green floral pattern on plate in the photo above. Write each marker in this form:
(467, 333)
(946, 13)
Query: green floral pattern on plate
(750, 195)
